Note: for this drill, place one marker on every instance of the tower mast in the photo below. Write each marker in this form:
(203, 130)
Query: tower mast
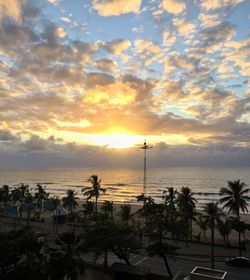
(145, 147)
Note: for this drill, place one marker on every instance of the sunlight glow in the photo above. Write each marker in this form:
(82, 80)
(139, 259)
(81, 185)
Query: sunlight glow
(117, 141)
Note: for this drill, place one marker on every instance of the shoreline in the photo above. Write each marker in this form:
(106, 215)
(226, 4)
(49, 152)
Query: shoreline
(233, 236)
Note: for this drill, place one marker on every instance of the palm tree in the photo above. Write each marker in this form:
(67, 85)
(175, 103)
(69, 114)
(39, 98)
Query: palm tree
(94, 191)
(125, 213)
(5, 194)
(186, 204)
(224, 229)
(235, 196)
(15, 195)
(69, 201)
(89, 209)
(144, 199)
(212, 216)
(40, 195)
(169, 198)
(108, 207)
(156, 229)
(28, 200)
(67, 260)
(23, 189)
(201, 222)
(99, 237)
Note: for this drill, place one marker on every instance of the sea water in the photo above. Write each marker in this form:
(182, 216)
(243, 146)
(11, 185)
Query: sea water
(124, 184)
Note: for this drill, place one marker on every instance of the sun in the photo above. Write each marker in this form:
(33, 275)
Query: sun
(117, 141)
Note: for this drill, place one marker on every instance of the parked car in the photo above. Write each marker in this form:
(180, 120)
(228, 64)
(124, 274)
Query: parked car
(238, 261)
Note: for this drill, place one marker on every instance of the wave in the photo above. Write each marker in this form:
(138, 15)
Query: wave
(205, 193)
(116, 184)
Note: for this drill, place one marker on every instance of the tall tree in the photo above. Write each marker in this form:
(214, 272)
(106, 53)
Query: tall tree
(89, 209)
(15, 195)
(108, 207)
(224, 228)
(202, 223)
(186, 205)
(169, 199)
(100, 237)
(70, 201)
(124, 241)
(235, 199)
(5, 194)
(40, 194)
(125, 212)
(212, 216)
(156, 228)
(66, 261)
(95, 190)
(28, 200)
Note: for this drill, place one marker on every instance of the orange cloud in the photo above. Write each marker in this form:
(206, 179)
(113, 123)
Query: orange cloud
(114, 94)
(11, 8)
(116, 7)
(173, 6)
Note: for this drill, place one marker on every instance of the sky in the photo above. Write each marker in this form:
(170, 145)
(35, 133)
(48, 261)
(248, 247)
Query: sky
(84, 82)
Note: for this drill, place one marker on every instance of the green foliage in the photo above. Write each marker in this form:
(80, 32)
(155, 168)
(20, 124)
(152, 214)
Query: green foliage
(66, 261)
(156, 226)
(186, 206)
(70, 201)
(212, 217)
(235, 197)
(4, 194)
(95, 190)
(24, 250)
(110, 236)
(107, 207)
(125, 212)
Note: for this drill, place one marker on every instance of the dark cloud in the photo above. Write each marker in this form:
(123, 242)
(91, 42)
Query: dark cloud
(6, 135)
(212, 36)
(71, 154)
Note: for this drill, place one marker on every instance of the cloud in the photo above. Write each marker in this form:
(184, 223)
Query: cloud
(213, 37)
(210, 20)
(116, 7)
(66, 19)
(72, 154)
(219, 4)
(15, 38)
(35, 143)
(54, 1)
(157, 84)
(114, 94)
(117, 47)
(60, 32)
(11, 8)
(106, 65)
(6, 135)
(184, 28)
(173, 6)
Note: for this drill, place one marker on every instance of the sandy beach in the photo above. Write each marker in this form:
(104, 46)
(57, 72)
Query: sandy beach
(48, 224)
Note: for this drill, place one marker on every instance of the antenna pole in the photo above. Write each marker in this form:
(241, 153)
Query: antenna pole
(145, 147)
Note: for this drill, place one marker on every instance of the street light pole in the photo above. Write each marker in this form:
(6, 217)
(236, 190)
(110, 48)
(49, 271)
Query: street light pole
(145, 147)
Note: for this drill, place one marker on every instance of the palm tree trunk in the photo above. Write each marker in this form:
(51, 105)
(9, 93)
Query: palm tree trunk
(191, 229)
(40, 210)
(212, 247)
(105, 262)
(96, 204)
(167, 266)
(28, 216)
(239, 236)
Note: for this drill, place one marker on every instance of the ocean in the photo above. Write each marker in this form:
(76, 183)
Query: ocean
(124, 184)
